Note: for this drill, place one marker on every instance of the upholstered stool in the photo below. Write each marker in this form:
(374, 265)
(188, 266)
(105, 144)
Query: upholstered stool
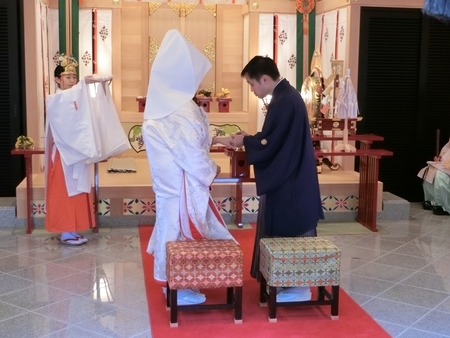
(204, 264)
(299, 261)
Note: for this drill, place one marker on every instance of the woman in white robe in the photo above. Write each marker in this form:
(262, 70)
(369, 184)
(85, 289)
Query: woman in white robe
(176, 137)
(436, 183)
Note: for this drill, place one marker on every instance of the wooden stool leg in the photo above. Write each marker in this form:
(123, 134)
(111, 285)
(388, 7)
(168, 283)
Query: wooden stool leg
(238, 305)
(272, 304)
(320, 293)
(262, 292)
(167, 296)
(173, 308)
(230, 295)
(335, 302)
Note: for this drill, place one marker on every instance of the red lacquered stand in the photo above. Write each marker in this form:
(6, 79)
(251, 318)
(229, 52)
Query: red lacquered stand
(369, 166)
(28, 153)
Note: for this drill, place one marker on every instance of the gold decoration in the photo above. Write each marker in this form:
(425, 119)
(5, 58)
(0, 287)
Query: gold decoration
(224, 93)
(153, 6)
(210, 50)
(305, 6)
(182, 10)
(153, 48)
(212, 9)
(68, 62)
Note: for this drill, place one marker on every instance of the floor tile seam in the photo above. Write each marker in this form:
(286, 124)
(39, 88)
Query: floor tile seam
(361, 246)
(426, 257)
(70, 294)
(84, 329)
(96, 316)
(379, 321)
(10, 275)
(8, 253)
(442, 302)
(15, 316)
(357, 247)
(424, 331)
(382, 279)
(423, 231)
(427, 311)
(119, 247)
(360, 294)
(64, 290)
(430, 273)
(69, 322)
(18, 307)
(396, 253)
(140, 334)
(398, 241)
(439, 245)
(431, 308)
(25, 309)
(75, 271)
(399, 283)
(419, 319)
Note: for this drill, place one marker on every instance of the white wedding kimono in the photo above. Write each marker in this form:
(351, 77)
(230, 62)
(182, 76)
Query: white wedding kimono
(176, 137)
(83, 124)
(182, 171)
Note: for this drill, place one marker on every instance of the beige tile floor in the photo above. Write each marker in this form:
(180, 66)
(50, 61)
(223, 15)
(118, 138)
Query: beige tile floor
(400, 276)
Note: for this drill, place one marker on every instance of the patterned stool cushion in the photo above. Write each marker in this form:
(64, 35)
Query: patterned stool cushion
(204, 264)
(299, 261)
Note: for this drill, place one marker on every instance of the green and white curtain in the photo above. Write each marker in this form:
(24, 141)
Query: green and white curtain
(94, 42)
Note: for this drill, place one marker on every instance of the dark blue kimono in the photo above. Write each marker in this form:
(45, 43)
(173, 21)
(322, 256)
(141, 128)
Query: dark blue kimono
(283, 159)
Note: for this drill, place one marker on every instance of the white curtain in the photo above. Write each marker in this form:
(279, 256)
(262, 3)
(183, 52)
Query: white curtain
(265, 48)
(342, 35)
(104, 42)
(328, 42)
(101, 42)
(86, 58)
(286, 48)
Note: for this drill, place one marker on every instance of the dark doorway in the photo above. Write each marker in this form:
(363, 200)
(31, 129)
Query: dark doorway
(12, 108)
(402, 92)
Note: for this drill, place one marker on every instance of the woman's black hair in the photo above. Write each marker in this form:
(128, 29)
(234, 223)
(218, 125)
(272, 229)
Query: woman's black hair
(58, 70)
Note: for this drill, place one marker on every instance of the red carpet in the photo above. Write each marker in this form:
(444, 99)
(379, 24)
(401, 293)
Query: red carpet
(308, 321)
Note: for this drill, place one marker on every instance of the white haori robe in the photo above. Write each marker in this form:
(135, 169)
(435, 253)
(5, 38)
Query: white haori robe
(182, 170)
(85, 129)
